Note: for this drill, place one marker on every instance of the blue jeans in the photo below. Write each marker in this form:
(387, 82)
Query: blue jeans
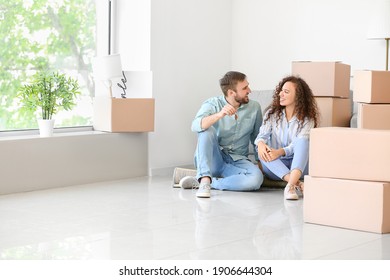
(225, 173)
(278, 168)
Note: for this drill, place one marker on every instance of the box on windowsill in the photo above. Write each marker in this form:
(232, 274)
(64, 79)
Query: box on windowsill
(334, 111)
(324, 78)
(358, 205)
(350, 153)
(371, 86)
(373, 116)
(123, 114)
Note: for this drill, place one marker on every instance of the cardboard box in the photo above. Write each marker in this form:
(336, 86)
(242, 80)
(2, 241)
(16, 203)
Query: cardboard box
(373, 116)
(334, 111)
(371, 86)
(350, 153)
(123, 114)
(359, 205)
(325, 78)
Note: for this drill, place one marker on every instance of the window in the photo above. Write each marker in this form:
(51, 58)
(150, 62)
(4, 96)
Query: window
(55, 35)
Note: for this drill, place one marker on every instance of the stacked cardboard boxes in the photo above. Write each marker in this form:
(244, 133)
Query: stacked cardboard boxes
(349, 168)
(372, 93)
(330, 83)
(349, 180)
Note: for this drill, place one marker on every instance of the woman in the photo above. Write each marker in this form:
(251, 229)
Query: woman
(283, 139)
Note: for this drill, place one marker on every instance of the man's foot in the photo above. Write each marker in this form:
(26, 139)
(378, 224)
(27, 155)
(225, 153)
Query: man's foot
(189, 182)
(290, 193)
(204, 190)
(179, 173)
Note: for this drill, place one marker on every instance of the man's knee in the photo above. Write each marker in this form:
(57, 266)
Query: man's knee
(208, 134)
(253, 181)
(258, 180)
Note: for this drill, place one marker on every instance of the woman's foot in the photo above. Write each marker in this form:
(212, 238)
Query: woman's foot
(290, 192)
(300, 187)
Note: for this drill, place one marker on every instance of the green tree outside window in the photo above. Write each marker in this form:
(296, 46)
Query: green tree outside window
(57, 35)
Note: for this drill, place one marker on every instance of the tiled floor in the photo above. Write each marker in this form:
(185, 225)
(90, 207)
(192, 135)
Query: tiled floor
(145, 218)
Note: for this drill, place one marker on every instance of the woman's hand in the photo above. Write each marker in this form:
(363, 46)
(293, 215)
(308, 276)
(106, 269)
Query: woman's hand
(274, 154)
(266, 153)
(263, 151)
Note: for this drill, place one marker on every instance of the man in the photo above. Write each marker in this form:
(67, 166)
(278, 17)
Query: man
(226, 125)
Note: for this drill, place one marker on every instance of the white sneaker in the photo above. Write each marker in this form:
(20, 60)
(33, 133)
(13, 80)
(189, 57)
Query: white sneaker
(189, 182)
(290, 193)
(204, 190)
(299, 189)
(180, 173)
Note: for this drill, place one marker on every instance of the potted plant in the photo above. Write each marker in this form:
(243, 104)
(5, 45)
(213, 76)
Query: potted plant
(48, 93)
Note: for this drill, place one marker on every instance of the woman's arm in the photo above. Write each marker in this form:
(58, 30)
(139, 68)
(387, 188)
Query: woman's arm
(261, 139)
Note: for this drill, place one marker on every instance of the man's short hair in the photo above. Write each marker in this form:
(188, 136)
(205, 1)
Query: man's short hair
(229, 81)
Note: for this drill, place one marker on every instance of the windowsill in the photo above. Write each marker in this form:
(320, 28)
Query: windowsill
(58, 132)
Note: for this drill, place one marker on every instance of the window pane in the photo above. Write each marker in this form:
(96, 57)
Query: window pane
(54, 35)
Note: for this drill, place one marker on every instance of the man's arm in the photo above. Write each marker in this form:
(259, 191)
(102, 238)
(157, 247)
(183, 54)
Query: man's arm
(227, 110)
(207, 116)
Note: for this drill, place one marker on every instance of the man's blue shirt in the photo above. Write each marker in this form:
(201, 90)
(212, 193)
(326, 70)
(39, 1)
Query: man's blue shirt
(234, 134)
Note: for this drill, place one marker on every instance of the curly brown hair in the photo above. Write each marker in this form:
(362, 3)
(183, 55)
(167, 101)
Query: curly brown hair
(305, 105)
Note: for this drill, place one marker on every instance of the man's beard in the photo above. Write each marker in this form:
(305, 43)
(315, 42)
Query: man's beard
(243, 100)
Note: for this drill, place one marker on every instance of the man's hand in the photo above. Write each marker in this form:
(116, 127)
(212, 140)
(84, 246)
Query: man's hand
(228, 110)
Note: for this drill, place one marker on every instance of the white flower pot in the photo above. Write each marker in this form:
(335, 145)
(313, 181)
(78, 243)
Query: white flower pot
(46, 127)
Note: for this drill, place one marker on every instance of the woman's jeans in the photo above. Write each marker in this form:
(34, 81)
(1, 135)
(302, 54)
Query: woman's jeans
(225, 173)
(277, 169)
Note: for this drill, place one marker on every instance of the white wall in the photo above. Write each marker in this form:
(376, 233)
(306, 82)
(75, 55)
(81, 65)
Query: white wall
(268, 35)
(132, 33)
(190, 51)
(194, 42)
(187, 46)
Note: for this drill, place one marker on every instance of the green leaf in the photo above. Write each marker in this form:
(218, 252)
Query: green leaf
(49, 93)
